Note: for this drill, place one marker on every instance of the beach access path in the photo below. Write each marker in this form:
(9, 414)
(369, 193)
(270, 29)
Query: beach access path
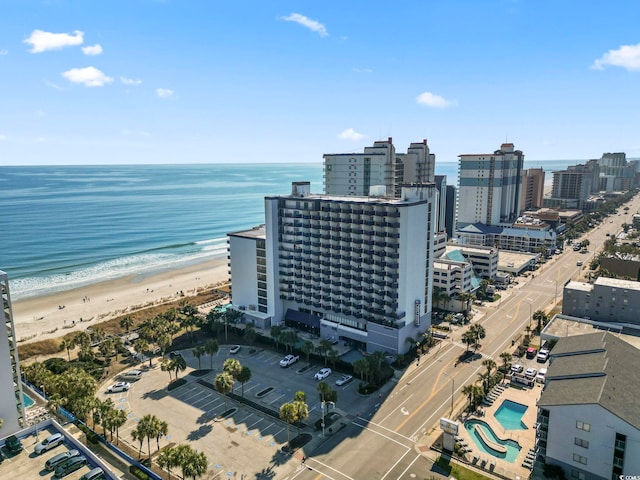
(55, 315)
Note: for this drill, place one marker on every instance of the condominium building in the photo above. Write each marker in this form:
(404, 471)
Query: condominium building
(588, 412)
(352, 174)
(489, 187)
(11, 397)
(607, 299)
(450, 211)
(572, 184)
(483, 259)
(345, 267)
(532, 191)
(518, 238)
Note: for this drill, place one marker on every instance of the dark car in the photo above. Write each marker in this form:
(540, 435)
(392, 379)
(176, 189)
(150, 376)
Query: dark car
(70, 466)
(13, 444)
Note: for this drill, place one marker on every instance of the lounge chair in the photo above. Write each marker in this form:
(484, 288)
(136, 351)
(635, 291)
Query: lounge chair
(475, 459)
(483, 462)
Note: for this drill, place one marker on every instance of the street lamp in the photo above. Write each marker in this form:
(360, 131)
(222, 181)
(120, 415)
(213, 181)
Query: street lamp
(44, 393)
(323, 403)
(530, 317)
(452, 390)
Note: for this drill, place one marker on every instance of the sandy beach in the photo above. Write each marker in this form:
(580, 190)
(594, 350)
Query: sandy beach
(42, 317)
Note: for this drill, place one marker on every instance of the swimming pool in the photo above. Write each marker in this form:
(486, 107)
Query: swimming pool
(512, 447)
(27, 400)
(509, 414)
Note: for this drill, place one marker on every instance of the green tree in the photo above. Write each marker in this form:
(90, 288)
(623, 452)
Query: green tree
(361, 367)
(323, 347)
(190, 319)
(167, 459)
(489, 364)
(288, 414)
(333, 356)
(211, 348)
(119, 419)
(307, 348)
(250, 334)
(178, 364)
(232, 366)
(224, 385)
(243, 377)
(162, 430)
(195, 465)
(468, 338)
(198, 352)
(506, 360)
(167, 366)
(275, 333)
(541, 318)
(126, 323)
(67, 344)
(479, 333)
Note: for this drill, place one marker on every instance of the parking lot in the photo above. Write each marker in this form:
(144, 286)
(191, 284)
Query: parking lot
(27, 464)
(191, 409)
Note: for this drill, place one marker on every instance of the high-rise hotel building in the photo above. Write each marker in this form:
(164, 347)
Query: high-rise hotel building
(11, 399)
(350, 268)
(489, 187)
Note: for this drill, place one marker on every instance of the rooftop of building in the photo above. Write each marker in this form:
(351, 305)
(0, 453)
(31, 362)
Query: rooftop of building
(617, 283)
(381, 199)
(596, 368)
(255, 232)
(512, 259)
(470, 249)
(582, 286)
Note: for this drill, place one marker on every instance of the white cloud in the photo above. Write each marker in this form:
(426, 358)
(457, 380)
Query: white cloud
(42, 41)
(2, 137)
(164, 92)
(130, 81)
(88, 76)
(52, 85)
(92, 49)
(627, 56)
(429, 99)
(351, 134)
(363, 70)
(4, 52)
(312, 25)
(134, 133)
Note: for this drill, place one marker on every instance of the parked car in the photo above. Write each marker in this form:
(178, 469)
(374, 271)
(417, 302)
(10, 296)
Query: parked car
(132, 374)
(542, 375)
(234, 349)
(70, 466)
(578, 263)
(48, 443)
(517, 368)
(530, 372)
(322, 374)
(95, 474)
(543, 354)
(175, 354)
(531, 352)
(344, 379)
(13, 444)
(59, 459)
(119, 387)
(289, 360)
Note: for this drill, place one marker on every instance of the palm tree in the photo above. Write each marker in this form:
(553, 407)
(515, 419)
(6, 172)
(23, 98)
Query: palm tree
(211, 348)
(167, 459)
(485, 379)
(243, 377)
(198, 352)
(250, 334)
(126, 323)
(148, 427)
(162, 430)
(138, 436)
(306, 348)
(361, 367)
(196, 465)
(164, 341)
(468, 338)
(490, 364)
(68, 344)
(506, 359)
(302, 411)
(324, 347)
(275, 333)
(540, 317)
(479, 333)
(288, 414)
(179, 364)
(167, 366)
(469, 391)
(324, 390)
(232, 366)
(224, 385)
(119, 419)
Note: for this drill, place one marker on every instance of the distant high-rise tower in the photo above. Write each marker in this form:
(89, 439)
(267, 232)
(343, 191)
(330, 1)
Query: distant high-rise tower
(532, 191)
(489, 187)
(450, 211)
(11, 400)
(441, 191)
(351, 174)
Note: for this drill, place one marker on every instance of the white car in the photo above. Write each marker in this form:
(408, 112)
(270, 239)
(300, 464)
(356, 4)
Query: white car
(516, 368)
(343, 380)
(530, 372)
(48, 443)
(234, 349)
(119, 387)
(542, 375)
(543, 354)
(289, 360)
(322, 374)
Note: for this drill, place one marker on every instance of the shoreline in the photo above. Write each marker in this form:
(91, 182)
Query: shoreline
(56, 314)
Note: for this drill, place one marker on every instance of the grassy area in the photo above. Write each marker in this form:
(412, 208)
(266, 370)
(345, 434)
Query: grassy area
(457, 471)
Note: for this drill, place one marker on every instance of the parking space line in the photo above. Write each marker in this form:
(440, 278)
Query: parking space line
(276, 399)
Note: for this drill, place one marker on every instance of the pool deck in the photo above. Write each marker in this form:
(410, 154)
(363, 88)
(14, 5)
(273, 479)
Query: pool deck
(525, 438)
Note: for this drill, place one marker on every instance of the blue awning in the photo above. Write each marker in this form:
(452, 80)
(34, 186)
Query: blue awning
(301, 317)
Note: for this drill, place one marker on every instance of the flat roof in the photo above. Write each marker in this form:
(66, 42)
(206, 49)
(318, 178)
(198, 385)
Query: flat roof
(255, 232)
(582, 286)
(518, 259)
(617, 283)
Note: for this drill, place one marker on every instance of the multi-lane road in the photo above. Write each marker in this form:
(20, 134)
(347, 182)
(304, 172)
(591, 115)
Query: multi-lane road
(381, 442)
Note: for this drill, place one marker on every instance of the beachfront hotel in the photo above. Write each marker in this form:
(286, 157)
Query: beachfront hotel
(588, 412)
(489, 187)
(353, 269)
(352, 174)
(11, 398)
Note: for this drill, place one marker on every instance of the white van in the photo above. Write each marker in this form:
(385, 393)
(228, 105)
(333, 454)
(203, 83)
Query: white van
(132, 374)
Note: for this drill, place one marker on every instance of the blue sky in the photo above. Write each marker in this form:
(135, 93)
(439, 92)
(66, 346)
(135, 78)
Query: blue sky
(177, 81)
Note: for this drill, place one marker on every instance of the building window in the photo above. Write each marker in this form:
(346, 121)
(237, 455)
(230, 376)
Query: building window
(581, 442)
(579, 458)
(583, 426)
(577, 474)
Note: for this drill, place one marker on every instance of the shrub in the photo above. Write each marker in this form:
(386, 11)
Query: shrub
(136, 472)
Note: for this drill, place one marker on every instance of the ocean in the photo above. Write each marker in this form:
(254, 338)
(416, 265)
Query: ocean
(67, 226)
